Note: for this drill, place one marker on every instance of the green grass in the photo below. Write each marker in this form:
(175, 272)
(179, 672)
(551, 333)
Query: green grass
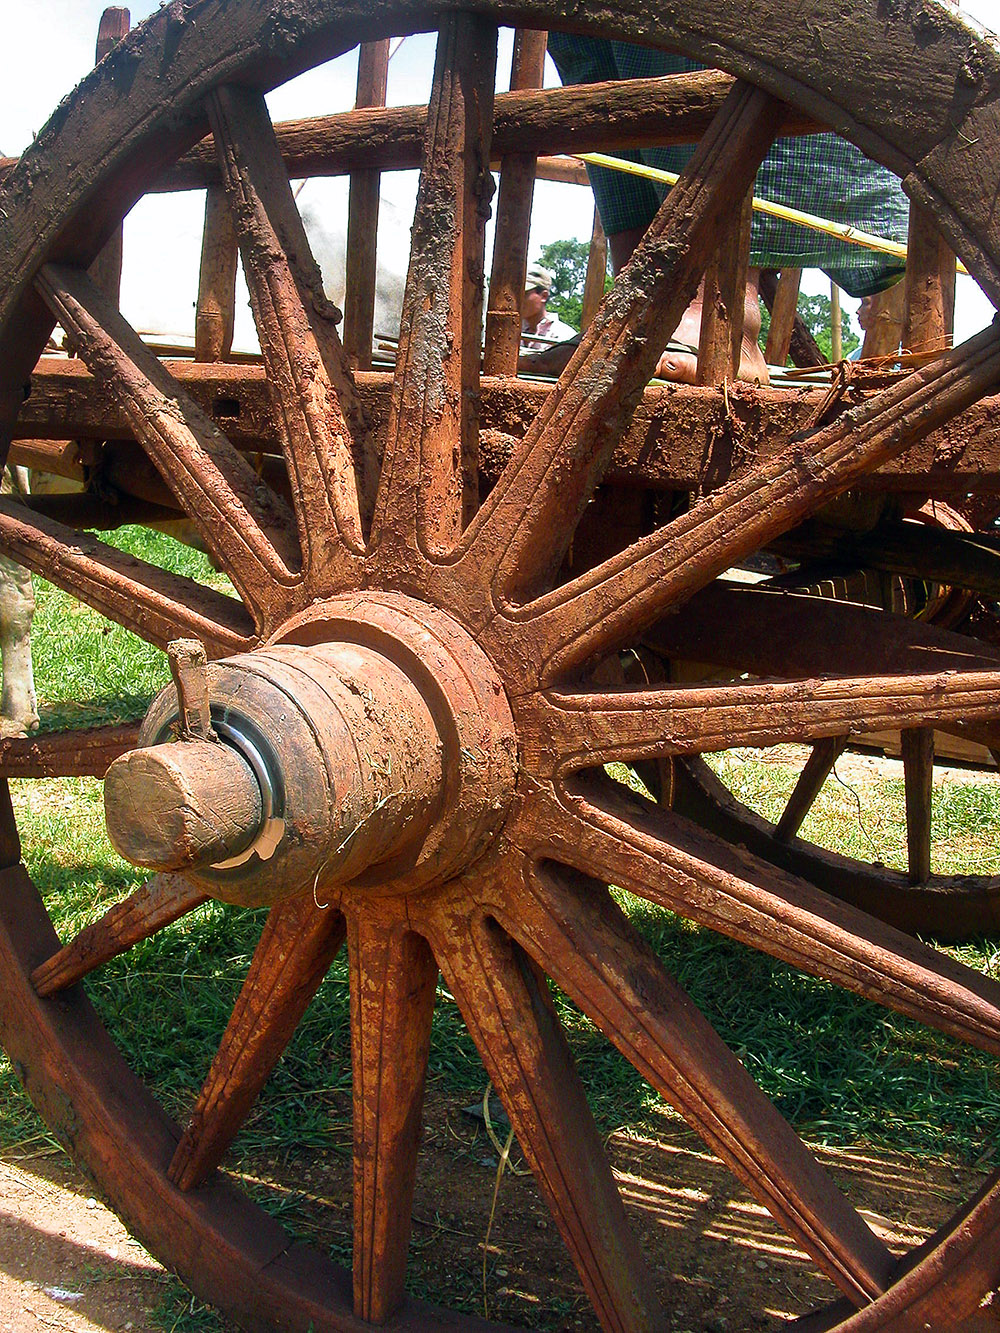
(842, 1070)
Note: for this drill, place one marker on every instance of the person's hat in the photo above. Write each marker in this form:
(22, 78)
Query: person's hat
(537, 276)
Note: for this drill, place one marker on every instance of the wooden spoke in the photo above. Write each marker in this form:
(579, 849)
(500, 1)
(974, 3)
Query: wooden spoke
(308, 378)
(153, 603)
(164, 899)
(625, 594)
(293, 954)
(243, 523)
(393, 979)
(509, 1014)
(428, 479)
(664, 858)
(817, 769)
(527, 523)
(918, 777)
(566, 731)
(586, 944)
(87, 752)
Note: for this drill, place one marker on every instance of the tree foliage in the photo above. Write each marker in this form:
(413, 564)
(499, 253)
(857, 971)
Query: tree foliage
(815, 312)
(567, 262)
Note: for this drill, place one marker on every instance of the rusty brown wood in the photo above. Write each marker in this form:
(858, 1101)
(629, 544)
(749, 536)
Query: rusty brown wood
(106, 270)
(505, 829)
(817, 768)
(803, 348)
(248, 528)
(958, 559)
(362, 217)
(929, 301)
(597, 272)
(292, 957)
(215, 313)
(393, 978)
(432, 453)
(582, 729)
(724, 300)
(601, 116)
(150, 601)
(884, 335)
(918, 776)
(583, 418)
(783, 312)
(57, 754)
(513, 214)
(307, 376)
(665, 447)
(627, 593)
(650, 1019)
(522, 1045)
(158, 903)
(946, 909)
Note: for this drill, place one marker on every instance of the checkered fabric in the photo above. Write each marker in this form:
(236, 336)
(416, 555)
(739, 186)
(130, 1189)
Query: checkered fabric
(818, 173)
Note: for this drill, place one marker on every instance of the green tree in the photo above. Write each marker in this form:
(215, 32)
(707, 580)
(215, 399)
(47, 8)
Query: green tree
(815, 312)
(567, 262)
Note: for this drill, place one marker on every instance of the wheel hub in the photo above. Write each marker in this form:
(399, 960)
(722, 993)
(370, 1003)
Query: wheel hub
(371, 742)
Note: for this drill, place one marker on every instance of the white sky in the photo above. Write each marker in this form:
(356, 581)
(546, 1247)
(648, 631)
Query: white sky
(49, 46)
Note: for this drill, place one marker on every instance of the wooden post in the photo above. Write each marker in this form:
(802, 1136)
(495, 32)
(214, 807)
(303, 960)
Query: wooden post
(929, 303)
(362, 218)
(724, 301)
(215, 314)
(106, 270)
(883, 338)
(786, 302)
(803, 349)
(510, 244)
(597, 268)
(836, 325)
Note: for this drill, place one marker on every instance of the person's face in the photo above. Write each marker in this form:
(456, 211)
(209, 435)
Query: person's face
(866, 313)
(533, 305)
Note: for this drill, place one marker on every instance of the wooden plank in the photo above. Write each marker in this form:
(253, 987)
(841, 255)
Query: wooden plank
(362, 217)
(885, 334)
(597, 271)
(918, 778)
(665, 446)
(929, 302)
(513, 211)
(578, 119)
(724, 300)
(803, 349)
(779, 336)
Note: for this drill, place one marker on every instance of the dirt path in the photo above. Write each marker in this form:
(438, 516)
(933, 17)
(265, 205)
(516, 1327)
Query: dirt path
(725, 1267)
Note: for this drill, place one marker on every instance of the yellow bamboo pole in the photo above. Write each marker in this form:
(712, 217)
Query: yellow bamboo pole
(842, 231)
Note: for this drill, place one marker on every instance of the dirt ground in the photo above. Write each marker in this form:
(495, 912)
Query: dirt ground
(724, 1266)
(67, 1263)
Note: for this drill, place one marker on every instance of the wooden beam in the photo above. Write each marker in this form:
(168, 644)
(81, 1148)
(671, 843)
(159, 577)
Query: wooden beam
(665, 447)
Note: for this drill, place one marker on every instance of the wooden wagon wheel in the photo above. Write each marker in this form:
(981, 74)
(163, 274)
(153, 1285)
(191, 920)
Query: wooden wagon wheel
(439, 639)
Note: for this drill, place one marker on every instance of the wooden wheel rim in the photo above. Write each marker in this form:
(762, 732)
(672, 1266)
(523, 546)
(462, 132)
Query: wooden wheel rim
(70, 1066)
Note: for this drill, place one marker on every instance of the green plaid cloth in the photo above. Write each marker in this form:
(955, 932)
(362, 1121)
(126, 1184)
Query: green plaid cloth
(818, 173)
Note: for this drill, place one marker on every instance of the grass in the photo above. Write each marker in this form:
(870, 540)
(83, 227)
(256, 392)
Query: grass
(842, 1070)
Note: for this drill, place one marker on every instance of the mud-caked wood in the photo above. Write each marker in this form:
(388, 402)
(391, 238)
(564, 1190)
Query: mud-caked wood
(420, 688)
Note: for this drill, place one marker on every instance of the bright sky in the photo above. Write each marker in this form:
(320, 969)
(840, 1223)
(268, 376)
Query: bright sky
(49, 46)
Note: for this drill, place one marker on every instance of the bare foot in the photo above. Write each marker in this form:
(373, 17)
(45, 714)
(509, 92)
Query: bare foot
(681, 367)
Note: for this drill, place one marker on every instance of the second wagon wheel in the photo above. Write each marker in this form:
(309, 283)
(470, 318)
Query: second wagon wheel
(402, 714)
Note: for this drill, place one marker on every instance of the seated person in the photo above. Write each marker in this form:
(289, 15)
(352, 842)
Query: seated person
(539, 329)
(819, 173)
